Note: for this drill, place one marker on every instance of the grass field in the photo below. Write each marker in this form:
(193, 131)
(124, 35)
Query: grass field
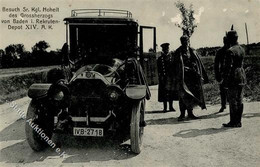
(14, 82)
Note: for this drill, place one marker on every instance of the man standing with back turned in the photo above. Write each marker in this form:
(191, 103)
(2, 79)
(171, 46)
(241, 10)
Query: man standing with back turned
(234, 79)
(219, 69)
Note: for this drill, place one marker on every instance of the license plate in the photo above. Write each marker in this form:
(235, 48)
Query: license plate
(88, 132)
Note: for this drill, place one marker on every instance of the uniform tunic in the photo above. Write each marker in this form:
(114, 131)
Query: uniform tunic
(167, 79)
(234, 80)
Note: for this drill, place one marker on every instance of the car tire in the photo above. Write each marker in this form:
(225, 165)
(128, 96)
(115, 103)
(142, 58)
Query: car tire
(34, 139)
(136, 132)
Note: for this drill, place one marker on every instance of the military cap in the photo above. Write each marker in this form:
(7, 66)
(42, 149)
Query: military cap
(165, 45)
(232, 33)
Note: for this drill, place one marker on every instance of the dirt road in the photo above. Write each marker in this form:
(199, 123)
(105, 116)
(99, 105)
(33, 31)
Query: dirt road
(167, 142)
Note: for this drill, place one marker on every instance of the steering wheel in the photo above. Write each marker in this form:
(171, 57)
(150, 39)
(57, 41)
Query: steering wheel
(108, 72)
(115, 76)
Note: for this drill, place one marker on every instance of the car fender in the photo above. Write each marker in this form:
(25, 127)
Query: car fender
(38, 90)
(136, 92)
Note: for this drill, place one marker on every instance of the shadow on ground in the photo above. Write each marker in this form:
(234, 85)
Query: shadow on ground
(251, 115)
(164, 121)
(154, 112)
(15, 131)
(198, 132)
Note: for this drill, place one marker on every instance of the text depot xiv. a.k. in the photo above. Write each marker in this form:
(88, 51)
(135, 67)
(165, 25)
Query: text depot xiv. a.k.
(33, 18)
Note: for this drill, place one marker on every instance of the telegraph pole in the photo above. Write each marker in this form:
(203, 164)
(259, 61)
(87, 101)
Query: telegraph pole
(247, 46)
(246, 34)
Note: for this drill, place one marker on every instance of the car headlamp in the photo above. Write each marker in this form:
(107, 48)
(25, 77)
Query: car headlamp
(59, 95)
(113, 96)
(114, 93)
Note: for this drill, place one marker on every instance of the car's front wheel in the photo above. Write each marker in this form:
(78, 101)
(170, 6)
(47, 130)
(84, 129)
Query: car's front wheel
(38, 132)
(136, 131)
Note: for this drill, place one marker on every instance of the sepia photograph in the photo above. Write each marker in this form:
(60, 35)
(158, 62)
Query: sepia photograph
(136, 83)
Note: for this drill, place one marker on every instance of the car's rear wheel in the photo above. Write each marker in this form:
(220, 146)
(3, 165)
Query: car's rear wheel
(37, 132)
(136, 131)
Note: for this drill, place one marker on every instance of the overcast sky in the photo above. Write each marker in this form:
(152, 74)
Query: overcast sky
(214, 18)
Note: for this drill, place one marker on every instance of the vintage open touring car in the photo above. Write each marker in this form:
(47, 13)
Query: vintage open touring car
(101, 86)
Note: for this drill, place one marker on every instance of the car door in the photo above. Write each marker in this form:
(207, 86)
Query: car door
(148, 57)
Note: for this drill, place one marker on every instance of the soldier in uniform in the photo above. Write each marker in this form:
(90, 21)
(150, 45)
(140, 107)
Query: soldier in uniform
(167, 89)
(234, 79)
(190, 76)
(219, 68)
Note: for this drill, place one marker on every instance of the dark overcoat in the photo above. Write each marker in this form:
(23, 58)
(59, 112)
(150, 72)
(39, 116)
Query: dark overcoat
(167, 78)
(190, 78)
(219, 63)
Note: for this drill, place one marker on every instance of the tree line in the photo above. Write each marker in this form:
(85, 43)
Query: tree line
(15, 55)
(251, 49)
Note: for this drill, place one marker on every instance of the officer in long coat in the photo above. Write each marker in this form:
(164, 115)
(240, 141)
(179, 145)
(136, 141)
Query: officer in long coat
(219, 70)
(234, 79)
(190, 76)
(167, 81)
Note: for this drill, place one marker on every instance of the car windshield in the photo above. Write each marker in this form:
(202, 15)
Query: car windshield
(99, 44)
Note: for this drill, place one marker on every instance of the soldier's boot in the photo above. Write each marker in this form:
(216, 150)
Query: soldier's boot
(191, 115)
(165, 106)
(171, 106)
(142, 118)
(143, 124)
(232, 119)
(222, 108)
(182, 116)
(223, 101)
(239, 116)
